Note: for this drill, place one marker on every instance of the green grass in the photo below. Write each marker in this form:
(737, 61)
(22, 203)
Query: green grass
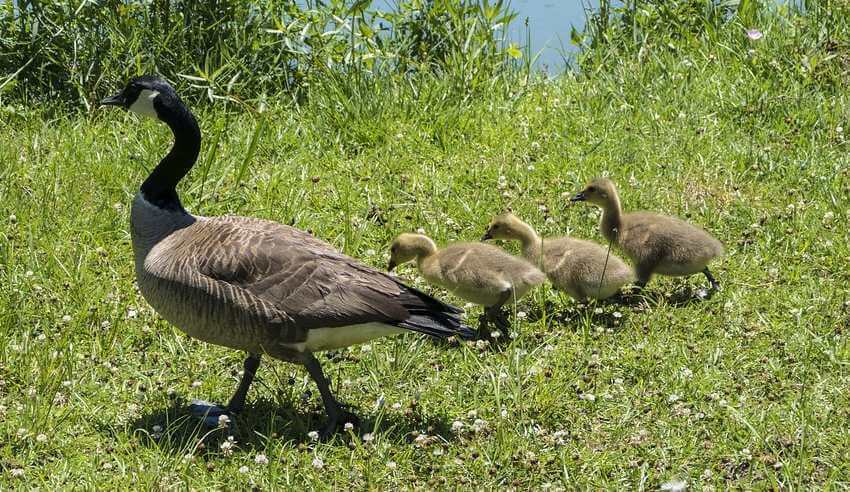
(745, 390)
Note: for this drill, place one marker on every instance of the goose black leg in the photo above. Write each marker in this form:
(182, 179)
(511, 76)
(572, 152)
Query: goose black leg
(211, 412)
(336, 414)
(714, 284)
(494, 313)
(237, 401)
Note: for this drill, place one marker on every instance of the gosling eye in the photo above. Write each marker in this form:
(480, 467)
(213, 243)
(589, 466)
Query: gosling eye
(591, 189)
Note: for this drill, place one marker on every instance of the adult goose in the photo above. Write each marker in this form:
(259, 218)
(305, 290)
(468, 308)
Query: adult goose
(252, 284)
(656, 243)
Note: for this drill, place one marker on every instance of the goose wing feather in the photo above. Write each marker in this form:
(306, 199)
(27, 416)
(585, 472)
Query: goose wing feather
(312, 283)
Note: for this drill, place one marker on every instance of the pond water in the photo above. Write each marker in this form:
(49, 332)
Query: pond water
(549, 24)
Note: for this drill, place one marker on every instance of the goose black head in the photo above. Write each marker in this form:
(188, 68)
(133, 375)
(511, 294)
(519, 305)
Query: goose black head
(147, 95)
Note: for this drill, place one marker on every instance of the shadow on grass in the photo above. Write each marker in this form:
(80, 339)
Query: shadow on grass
(174, 430)
(612, 312)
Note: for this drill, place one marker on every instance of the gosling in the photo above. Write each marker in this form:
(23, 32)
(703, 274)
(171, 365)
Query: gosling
(580, 268)
(655, 243)
(479, 273)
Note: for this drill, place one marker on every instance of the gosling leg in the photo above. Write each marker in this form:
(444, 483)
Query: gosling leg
(714, 284)
(336, 414)
(494, 314)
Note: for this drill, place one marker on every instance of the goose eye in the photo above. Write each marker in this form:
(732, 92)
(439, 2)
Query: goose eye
(591, 189)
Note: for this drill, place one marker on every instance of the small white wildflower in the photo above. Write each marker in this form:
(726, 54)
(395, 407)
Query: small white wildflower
(495, 334)
(472, 414)
(437, 452)
(365, 348)
(132, 314)
(66, 318)
(396, 406)
(188, 457)
(530, 168)
(313, 435)
(318, 463)
(754, 34)
(535, 145)
(107, 466)
(196, 384)
(618, 380)
(370, 252)
(348, 426)
(420, 230)
(777, 465)
(674, 485)
(521, 315)
(479, 425)
(828, 217)
(617, 314)
(13, 219)
(41, 438)
(392, 465)
(504, 413)
(105, 325)
(368, 437)
(588, 397)
(261, 459)
(673, 398)
(223, 420)
(687, 373)
(158, 428)
(457, 426)
(598, 310)
(243, 469)
(29, 273)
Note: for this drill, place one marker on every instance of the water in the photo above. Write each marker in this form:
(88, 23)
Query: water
(549, 24)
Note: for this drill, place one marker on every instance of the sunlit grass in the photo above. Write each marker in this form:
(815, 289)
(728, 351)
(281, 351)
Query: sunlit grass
(747, 389)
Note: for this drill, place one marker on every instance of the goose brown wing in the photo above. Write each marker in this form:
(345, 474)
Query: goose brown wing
(315, 285)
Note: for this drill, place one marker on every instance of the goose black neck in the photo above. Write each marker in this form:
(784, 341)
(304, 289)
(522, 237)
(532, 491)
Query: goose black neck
(160, 188)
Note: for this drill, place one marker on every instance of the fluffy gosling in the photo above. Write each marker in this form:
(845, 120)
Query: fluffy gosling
(479, 273)
(655, 243)
(580, 268)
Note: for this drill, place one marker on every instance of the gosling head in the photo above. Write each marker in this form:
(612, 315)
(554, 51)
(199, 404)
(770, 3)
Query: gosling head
(147, 95)
(408, 247)
(600, 192)
(503, 226)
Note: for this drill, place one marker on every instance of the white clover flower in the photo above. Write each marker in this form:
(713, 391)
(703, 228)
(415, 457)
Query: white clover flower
(530, 168)
(105, 325)
(243, 469)
(495, 334)
(674, 485)
(457, 426)
(673, 398)
(223, 420)
(318, 463)
(313, 435)
(472, 414)
(261, 459)
(438, 452)
(521, 315)
(479, 425)
(754, 34)
(504, 413)
(188, 457)
(42, 438)
(588, 397)
(420, 230)
(132, 314)
(66, 318)
(617, 314)
(348, 426)
(196, 384)
(368, 437)
(29, 273)
(365, 348)
(396, 406)
(392, 465)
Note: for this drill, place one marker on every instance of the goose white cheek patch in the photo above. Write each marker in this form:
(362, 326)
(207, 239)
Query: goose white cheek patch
(144, 103)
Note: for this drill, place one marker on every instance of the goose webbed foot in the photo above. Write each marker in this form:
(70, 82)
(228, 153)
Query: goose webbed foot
(209, 413)
(337, 421)
(715, 285)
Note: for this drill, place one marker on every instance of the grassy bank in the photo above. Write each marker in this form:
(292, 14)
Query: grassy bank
(747, 389)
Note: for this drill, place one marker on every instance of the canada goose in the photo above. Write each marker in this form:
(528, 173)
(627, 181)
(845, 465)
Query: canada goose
(253, 284)
(479, 273)
(656, 243)
(580, 268)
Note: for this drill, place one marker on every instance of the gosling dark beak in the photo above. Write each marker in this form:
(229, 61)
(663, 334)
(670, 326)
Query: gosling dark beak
(391, 266)
(116, 100)
(487, 236)
(578, 198)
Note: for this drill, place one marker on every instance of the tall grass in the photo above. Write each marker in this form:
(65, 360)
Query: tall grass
(72, 51)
